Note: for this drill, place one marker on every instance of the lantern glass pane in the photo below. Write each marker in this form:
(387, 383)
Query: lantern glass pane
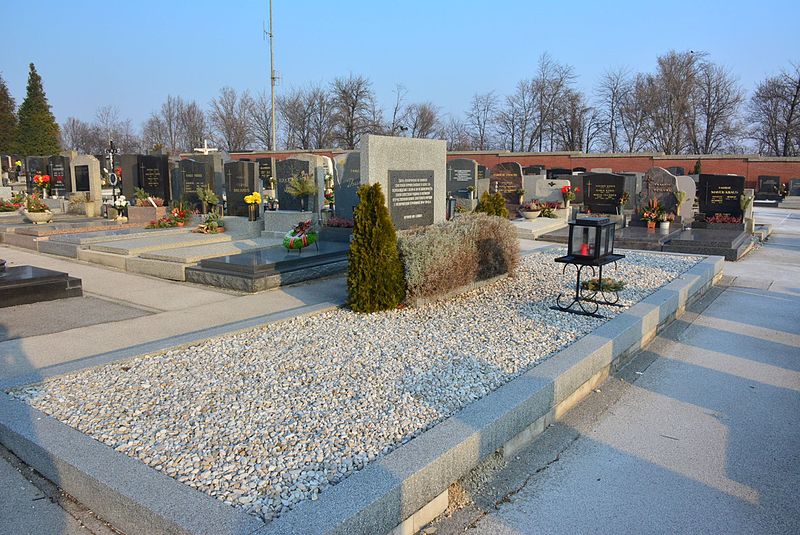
(583, 241)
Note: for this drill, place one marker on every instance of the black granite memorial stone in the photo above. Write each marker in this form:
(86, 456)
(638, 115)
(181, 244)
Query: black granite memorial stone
(153, 176)
(461, 174)
(659, 184)
(129, 181)
(265, 168)
(483, 172)
(192, 176)
(35, 165)
(794, 186)
(284, 170)
(411, 198)
(240, 181)
(602, 192)
(533, 170)
(769, 184)
(82, 178)
(557, 172)
(60, 175)
(677, 171)
(346, 184)
(721, 194)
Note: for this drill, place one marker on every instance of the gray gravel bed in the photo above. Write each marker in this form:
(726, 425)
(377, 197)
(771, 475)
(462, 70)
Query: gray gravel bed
(268, 418)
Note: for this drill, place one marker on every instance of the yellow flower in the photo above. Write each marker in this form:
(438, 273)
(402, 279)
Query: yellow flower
(256, 197)
(249, 199)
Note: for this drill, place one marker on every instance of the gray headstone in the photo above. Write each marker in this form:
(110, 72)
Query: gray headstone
(347, 180)
(602, 192)
(633, 186)
(794, 186)
(461, 174)
(687, 185)
(548, 189)
(284, 170)
(721, 194)
(240, 181)
(658, 183)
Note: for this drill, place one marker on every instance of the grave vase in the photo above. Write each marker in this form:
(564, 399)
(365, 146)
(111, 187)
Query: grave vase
(252, 212)
(651, 225)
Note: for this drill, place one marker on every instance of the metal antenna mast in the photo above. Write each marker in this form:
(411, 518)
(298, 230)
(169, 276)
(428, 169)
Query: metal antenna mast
(272, 76)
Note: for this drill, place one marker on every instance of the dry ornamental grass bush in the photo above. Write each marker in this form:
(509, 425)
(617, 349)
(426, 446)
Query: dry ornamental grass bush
(443, 257)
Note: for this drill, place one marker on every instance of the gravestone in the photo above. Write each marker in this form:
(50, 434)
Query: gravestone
(191, 177)
(556, 172)
(284, 170)
(81, 178)
(240, 181)
(216, 162)
(794, 186)
(687, 185)
(86, 179)
(129, 180)
(35, 165)
(677, 170)
(461, 174)
(413, 175)
(547, 189)
(153, 176)
(578, 169)
(659, 184)
(721, 194)
(484, 173)
(347, 180)
(533, 169)
(410, 198)
(60, 175)
(265, 168)
(602, 192)
(769, 184)
(507, 180)
(633, 186)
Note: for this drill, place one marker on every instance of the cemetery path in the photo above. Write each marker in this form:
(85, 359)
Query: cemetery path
(700, 433)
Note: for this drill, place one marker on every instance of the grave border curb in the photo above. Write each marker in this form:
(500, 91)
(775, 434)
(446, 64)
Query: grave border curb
(399, 492)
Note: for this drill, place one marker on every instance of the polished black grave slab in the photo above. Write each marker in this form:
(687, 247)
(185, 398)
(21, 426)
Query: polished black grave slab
(20, 285)
(262, 269)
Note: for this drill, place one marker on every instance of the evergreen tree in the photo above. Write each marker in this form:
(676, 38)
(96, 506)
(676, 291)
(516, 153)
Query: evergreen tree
(8, 119)
(375, 279)
(697, 167)
(37, 131)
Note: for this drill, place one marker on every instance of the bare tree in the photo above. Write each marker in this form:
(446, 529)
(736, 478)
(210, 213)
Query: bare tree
(457, 135)
(633, 115)
(774, 114)
(296, 115)
(514, 119)
(549, 88)
(154, 133)
(106, 119)
(611, 92)
(422, 120)
(230, 118)
(354, 110)
(192, 126)
(577, 123)
(262, 120)
(322, 113)
(79, 136)
(480, 117)
(397, 124)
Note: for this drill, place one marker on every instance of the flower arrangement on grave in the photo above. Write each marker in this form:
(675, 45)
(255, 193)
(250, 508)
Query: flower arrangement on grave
(625, 197)
(300, 236)
(301, 186)
(724, 218)
(603, 285)
(121, 203)
(164, 222)
(34, 205)
(143, 199)
(339, 222)
(253, 198)
(330, 198)
(42, 182)
(652, 211)
(181, 213)
(16, 202)
(548, 209)
(666, 217)
(212, 224)
(207, 197)
(568, 193)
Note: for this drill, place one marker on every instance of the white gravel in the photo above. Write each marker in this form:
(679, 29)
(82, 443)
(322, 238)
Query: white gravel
(270, 417)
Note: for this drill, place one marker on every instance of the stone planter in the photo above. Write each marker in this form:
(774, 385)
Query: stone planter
(530, 215)
(37, 217)
(142, 215)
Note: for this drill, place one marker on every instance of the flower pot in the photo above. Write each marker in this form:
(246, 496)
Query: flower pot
(180, 224)
(531, 215)
(663, 225)
(651, 225)
(38, 217)
(252, 212)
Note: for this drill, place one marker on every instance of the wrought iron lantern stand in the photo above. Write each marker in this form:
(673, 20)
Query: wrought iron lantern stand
(592, 246)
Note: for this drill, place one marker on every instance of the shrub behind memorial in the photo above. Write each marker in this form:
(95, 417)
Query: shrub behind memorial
(447, 256)
(492, 205)
(375, 274)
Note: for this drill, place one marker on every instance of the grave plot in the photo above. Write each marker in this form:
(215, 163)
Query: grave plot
(269, 418)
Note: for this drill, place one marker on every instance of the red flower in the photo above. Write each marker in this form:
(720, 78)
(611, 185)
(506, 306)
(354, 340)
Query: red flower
(565, 189)
(118, 171)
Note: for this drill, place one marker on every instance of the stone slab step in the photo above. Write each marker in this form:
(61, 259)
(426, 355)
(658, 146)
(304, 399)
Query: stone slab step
(194, 254)
(137, 246)
(87, 238)
(530, 229)
(21, 240)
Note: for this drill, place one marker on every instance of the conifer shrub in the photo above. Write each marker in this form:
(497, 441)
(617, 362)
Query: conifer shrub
(494, 204)
(375, 275)
(444, 257)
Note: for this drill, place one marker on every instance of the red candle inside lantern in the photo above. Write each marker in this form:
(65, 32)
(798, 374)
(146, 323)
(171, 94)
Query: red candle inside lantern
(585, 249)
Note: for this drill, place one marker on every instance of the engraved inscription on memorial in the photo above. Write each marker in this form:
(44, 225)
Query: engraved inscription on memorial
(411, 198)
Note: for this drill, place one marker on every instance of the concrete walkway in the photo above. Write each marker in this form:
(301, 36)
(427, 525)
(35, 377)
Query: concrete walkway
(699, 434)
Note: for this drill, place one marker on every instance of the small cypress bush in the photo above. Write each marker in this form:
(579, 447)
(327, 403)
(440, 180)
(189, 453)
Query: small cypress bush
(494, 204)
(375, 274)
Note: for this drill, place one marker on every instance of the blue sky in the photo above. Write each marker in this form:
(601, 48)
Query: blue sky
(133, 54)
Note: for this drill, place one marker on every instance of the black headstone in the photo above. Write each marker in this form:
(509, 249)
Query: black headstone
(82, 178)
(659, 184)
(153, 176)
(602, 192)
(129, 164)
(794, 186)
(60, 175)
(191, 177)
(721, 194)
(284, 170)
(557, 172)
(483, 172)
(265, 167)
(411, 198)
(578, 169)
(240, 181)
(769, 184)
(35, 165)
(346, 183)
(461, 173)
(533, 169)
(677, 171)
(507, 179)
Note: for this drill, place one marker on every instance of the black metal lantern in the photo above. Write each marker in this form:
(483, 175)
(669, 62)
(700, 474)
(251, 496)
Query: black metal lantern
(591, 239)
(451, 207)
